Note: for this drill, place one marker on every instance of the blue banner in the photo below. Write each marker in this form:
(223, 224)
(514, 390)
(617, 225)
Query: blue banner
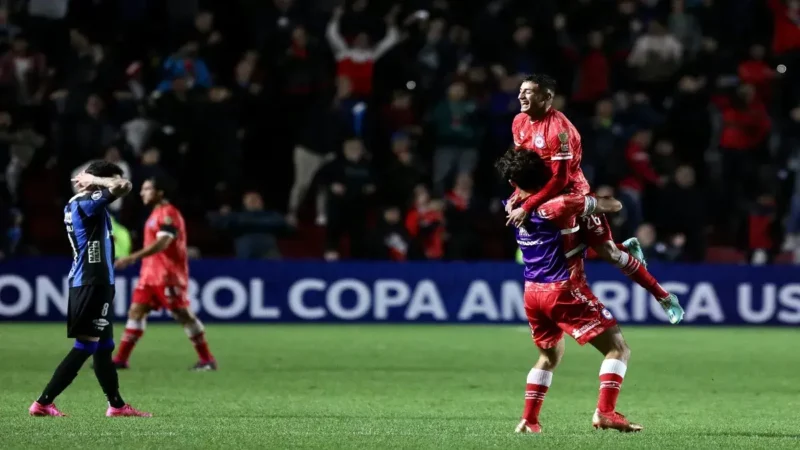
(243, 291)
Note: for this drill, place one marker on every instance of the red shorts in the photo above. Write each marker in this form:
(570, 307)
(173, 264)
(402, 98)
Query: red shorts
(160, 296)
(554, 308)
(595, 230)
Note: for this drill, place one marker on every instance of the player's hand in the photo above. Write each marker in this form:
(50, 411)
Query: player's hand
(510, 204)
(517, 217)
(83, 180)
(124, 262)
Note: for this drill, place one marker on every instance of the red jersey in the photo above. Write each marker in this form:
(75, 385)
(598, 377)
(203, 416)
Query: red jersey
(169, 267)
(555, 139)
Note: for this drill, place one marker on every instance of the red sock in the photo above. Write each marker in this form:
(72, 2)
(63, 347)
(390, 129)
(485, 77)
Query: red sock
(197, 335)
(621, 247)
(535, 390)
(634, 270)
(612, 372)
(133, 333)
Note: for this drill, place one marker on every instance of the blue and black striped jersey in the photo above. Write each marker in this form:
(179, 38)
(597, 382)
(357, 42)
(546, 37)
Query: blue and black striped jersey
(89, 231)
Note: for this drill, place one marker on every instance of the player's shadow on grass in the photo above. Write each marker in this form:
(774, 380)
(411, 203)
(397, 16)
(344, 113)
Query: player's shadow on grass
(775, 434)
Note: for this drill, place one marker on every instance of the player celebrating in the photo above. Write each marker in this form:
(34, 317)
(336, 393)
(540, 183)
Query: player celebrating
(91, 289)
(163, 279)
(558, 299)
(542, 129)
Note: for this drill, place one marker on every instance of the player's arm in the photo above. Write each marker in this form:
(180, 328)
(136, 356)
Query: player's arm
(110, 190)
(557, 183)
(167, 232)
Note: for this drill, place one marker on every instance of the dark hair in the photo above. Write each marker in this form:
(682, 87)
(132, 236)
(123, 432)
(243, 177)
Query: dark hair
(161, 183)
(544, 81)
(103, 169)
(524, 168)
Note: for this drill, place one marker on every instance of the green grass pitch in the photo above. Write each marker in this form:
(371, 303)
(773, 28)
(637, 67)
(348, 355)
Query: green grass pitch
(437, 387)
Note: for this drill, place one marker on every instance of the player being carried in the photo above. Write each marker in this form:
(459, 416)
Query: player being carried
(557, 296)
(542, 129)
(91, 290)
(164, 277)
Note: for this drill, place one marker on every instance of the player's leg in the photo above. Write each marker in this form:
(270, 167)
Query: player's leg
(597, 235)
(196, 332)
(85, 312)
(141, 305)
(581, 315)
(612, 345)
(548, 338)
(106, 372)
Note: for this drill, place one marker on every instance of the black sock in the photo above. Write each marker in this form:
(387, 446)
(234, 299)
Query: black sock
(67, 371)
(106, 373)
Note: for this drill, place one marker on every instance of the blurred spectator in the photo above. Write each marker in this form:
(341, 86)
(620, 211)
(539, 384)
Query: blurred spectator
(655, 250)
(685, 27)
(356, 61)
(23, 73)
(457, 135)
(461, 213)
(592, 78)
(8, 30)
(187, 65)
(399, 115)
(683, 211)
(302, 66)
(761, 232)
(425, 223)
(756, 72)
(640, 174)
(13, 234)
(254, 229)
(404, 172)
(655, 58)
(21, 146)
(600, 141)
(503, 106)
(745, 128)
(350, 182)
(390, 241)
(786, 37)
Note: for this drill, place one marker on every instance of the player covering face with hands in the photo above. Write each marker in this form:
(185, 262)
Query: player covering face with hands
(91, 290)
(541, 129)
(557, 297)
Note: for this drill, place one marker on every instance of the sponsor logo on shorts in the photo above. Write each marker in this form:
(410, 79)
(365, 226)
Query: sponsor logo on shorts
(100, 324)
(584, 329)
(599, 231)
(607, 314)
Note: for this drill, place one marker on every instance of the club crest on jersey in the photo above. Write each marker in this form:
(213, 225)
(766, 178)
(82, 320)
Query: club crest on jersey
(538, 141)
(96, 195)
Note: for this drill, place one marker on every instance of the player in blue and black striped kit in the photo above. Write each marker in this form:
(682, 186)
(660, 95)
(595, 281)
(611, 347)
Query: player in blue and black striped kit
(91, 289)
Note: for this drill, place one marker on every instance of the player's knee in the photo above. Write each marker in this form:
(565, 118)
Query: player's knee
(620, 350)
(87, 344)
(608, 251)
(137, 312)
(184, 315)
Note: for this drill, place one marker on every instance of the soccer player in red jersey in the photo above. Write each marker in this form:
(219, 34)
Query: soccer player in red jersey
(546, 131)
(557, 297)
(164, 278)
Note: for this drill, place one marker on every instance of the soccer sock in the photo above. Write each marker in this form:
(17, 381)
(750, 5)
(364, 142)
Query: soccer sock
(633, 269)
(106, 373)
(67, 370)
(612, 372)
(621, 247)
(197, 335)
(535, 390)
(134, 329)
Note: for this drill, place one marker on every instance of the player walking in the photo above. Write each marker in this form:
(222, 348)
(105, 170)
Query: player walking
(163, 279)
(91, 289)
(558, 299)
(542, 129)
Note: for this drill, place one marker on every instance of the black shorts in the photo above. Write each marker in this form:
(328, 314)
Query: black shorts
(90, 308)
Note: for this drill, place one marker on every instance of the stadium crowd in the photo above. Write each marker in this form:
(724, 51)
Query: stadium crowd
(305, 128)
